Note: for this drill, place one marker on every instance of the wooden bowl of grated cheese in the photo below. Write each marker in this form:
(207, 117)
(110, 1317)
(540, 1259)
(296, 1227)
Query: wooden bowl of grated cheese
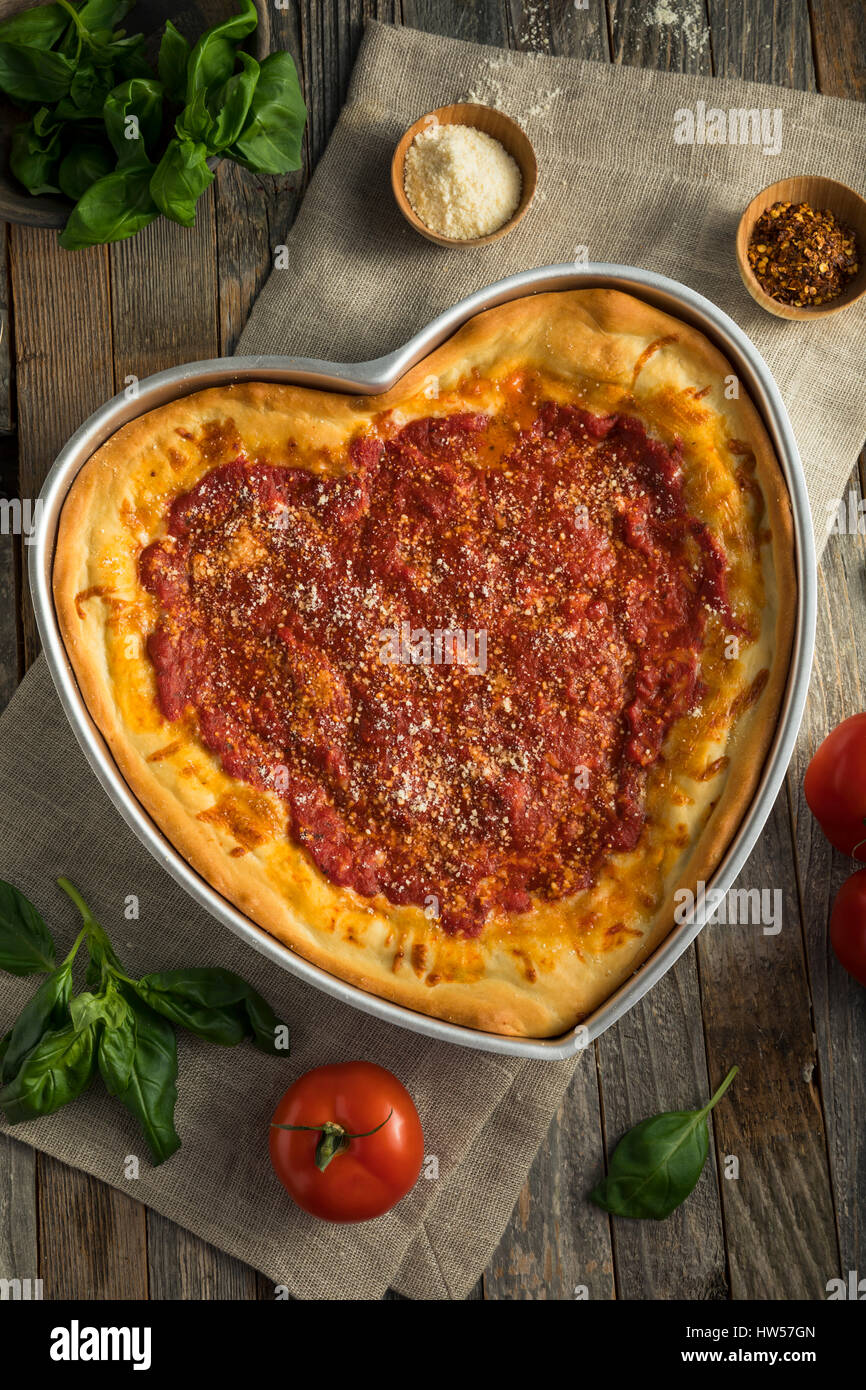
(464, 175)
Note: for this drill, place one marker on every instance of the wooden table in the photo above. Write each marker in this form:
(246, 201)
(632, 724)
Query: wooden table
(76, 326)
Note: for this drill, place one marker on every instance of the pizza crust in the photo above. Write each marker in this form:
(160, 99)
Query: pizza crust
(535, 974)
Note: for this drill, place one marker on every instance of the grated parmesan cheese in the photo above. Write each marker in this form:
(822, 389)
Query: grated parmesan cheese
(460, 181)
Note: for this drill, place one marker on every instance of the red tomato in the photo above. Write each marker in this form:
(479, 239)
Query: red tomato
(848, 925)
(367, 1174)
(835, 786)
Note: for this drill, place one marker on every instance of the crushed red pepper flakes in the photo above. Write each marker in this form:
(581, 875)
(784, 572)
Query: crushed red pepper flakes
(801, 256)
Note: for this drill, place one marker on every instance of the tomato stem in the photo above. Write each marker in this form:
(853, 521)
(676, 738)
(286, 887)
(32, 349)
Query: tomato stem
(334, 1138)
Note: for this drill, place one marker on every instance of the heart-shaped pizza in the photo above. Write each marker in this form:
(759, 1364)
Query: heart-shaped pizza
(456, 690)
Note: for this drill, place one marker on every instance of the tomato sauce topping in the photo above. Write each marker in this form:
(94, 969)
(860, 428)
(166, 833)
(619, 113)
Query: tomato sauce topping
(455, 663)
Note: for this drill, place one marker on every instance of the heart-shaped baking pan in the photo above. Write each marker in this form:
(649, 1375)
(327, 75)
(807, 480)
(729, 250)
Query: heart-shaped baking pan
(373, 378)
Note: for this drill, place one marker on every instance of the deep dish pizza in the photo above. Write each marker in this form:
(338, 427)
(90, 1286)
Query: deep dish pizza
(452, 689)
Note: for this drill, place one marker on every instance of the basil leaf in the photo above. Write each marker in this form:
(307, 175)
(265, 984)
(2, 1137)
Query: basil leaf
(95, 37)
(34, 159)
(54, 1072)
(133, 118)
(174, 54)
(104, 14)
(4, 1045)
(195, 122)
(214, 1004)
(178, 181)
(212, 60)
(108, 1007)
(88, 94)
(138, 1063)
(47, 1011)
(108, 50)
(230, 104)
(270, 142)
(36, 28)
(82, 166)
(657, 1164)
(113, 208)
(102, 963)
(26, 947)
(46, 122)
(31, 74)
(216, 115)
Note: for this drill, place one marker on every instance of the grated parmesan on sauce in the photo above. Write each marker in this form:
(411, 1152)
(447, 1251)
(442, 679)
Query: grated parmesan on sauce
(460, 181)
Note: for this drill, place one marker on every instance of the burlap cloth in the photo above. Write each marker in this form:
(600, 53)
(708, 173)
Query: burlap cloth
(612, 179)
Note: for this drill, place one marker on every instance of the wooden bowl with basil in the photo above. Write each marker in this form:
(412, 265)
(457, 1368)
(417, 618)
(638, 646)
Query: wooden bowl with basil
(92, 87)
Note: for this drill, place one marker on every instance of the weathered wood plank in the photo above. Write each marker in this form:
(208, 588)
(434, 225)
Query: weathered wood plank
(183, 1267)
(481, 21)
(10, 575)
(19, 1227)
(839, 46)
(164, 295)
(675, 37)
(778, 1215)
(765, 42)
(253, 214)
(557, 1245)
(254, 217)
(559, 27)
(330, 35)
(19, 1240)
(838, 689)
(7, 418)
(63, 356)
(10, 545)
(654, 1060)
(19, 1244)
(91, 1236)
(64, 371)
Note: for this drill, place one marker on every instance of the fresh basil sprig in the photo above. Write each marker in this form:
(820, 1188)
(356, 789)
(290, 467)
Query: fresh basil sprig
(657, 1164)
(118, 1026)
(80, 79)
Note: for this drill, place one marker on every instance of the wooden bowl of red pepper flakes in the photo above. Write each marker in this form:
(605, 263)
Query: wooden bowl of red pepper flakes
(801, 247)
